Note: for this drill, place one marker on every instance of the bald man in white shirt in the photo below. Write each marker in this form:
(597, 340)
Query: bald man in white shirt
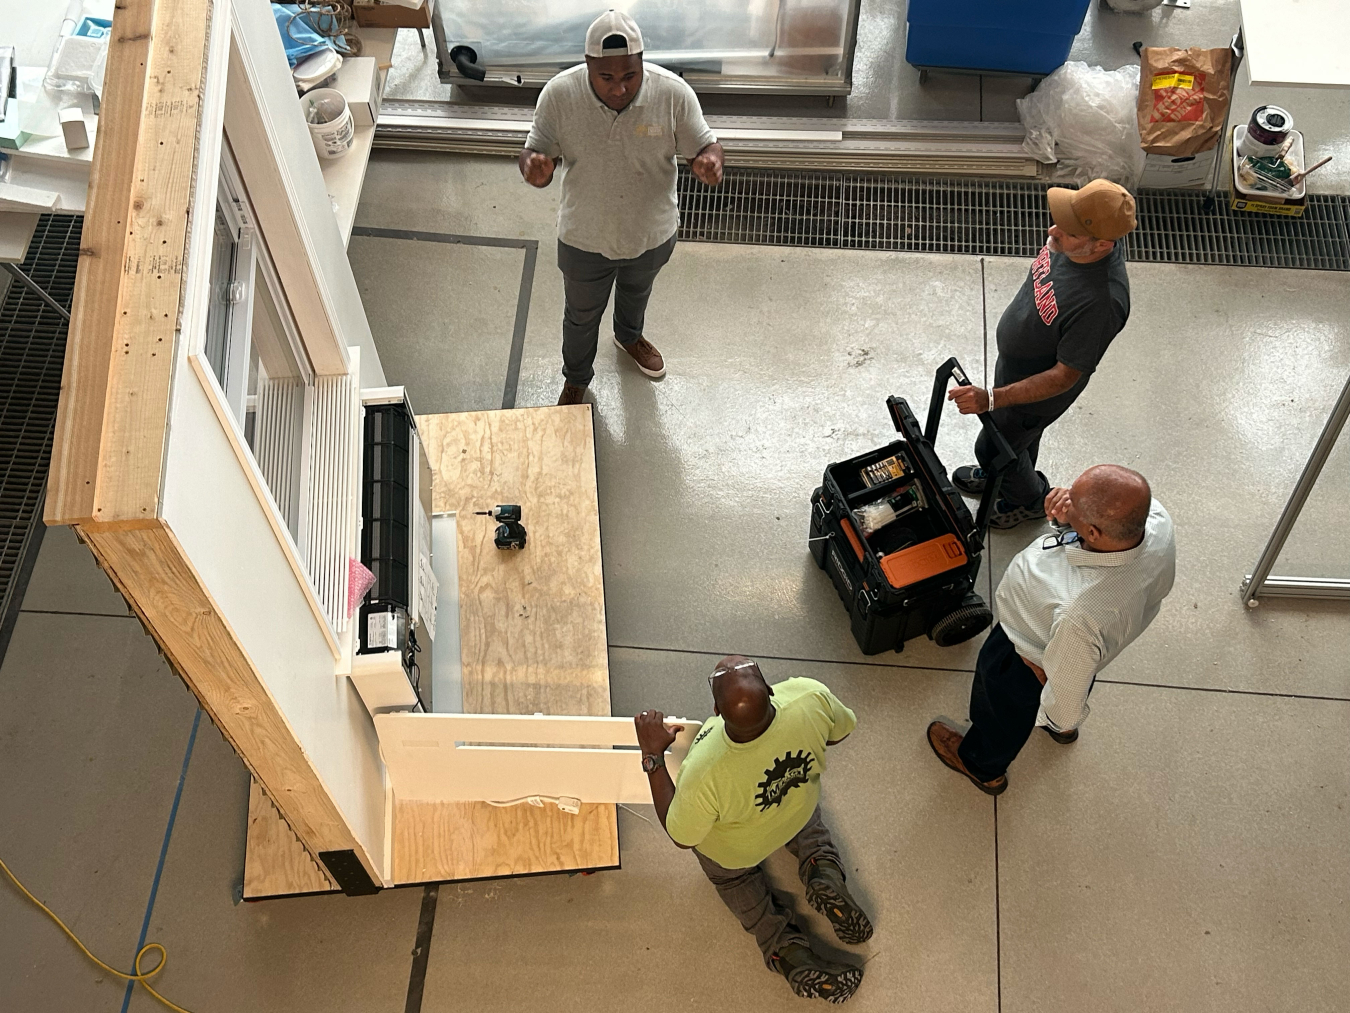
(1067, 606)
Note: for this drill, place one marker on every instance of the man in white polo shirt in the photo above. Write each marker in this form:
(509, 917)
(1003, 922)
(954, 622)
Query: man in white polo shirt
(616, 124)
(1067, 606)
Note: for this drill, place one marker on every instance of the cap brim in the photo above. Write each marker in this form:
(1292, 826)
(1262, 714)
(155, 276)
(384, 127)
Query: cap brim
(1061, 210)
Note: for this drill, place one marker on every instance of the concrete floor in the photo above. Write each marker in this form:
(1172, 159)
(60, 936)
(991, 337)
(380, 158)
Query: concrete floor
(886, 87)
(1188, 853)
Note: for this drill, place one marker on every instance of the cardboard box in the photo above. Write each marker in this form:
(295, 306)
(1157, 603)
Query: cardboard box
(387, 15)
(1171, 172)
(359, 81)
(73, 128)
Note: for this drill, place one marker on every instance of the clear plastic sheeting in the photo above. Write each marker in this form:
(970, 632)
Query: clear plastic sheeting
(1083, 118)
(809, 39)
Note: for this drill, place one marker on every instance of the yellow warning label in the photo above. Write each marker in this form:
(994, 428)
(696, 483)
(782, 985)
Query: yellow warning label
(1173, 81)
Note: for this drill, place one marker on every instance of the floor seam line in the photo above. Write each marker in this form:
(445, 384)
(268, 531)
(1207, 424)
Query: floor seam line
(64, 612)
(810, 661)
(163, 850)
(1229, 692)
(998, 918)
(426, 925)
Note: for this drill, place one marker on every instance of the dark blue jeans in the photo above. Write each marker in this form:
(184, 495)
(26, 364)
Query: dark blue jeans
(1004, 701)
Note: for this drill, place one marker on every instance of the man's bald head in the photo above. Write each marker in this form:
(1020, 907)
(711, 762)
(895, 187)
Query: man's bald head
(1114, 500)
(740, 693)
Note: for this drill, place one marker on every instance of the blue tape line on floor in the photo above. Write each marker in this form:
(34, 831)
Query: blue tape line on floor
(164, 848)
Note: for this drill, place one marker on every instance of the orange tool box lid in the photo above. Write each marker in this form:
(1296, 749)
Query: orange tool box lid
(919, 562)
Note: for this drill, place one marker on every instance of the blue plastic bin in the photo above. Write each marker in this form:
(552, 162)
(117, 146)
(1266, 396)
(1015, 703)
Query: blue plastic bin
(1011, 36)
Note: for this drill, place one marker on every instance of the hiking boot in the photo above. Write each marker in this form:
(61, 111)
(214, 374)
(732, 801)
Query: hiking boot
(945, 741)
(970, 479)
(825, 891)
(811, 976)
(571, 394)
(1009, 515)
(1063, 738)
(646, 356)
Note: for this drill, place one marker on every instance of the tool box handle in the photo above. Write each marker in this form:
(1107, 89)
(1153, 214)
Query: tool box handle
(1004, 458)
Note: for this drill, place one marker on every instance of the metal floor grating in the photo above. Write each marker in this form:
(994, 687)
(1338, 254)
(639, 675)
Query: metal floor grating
(32, 354)
(994, 217)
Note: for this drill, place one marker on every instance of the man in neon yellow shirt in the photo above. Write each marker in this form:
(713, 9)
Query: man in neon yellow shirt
(749, 786)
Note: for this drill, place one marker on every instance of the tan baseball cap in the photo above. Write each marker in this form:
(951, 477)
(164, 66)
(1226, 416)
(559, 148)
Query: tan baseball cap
(1102, 210)
(606, 27)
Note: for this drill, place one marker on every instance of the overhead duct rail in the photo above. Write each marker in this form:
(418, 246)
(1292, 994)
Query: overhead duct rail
(763, 142)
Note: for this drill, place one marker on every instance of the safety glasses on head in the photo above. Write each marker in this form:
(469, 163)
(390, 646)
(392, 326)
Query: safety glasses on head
(724, 671)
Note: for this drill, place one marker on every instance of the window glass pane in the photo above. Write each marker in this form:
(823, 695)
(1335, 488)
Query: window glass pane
(223, 248)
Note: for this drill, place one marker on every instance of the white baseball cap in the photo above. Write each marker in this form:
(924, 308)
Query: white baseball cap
(610, 27)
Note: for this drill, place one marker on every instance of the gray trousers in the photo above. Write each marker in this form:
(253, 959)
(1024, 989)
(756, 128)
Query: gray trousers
(746, 891)
(587, 281)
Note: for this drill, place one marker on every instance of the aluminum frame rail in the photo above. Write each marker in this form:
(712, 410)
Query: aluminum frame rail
(943, 147)
(1259, 582)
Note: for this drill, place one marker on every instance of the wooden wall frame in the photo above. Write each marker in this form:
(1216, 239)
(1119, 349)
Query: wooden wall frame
(140, 459)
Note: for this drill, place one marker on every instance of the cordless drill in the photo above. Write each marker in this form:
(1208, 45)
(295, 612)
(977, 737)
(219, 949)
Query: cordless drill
(510, 532)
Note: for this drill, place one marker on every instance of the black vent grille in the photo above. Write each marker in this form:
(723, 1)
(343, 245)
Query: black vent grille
(32, 354)
(1000, 218)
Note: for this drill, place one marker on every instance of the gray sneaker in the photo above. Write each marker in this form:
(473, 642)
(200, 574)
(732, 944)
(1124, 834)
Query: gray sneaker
(811, 976)
(826, 892)
(970, 479)
(1009, 515)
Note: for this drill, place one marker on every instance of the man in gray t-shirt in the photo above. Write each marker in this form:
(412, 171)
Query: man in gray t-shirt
(616, 124)
(1074, 301)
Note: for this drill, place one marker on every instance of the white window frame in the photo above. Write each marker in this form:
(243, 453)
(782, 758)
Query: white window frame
(230, 400)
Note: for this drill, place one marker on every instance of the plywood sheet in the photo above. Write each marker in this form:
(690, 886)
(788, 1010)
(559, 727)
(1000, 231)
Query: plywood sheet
(436, 841)
(532, 623)
(532, 631)
(276, 864)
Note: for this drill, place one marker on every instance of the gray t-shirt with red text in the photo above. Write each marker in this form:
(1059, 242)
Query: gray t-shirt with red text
(1064, 312)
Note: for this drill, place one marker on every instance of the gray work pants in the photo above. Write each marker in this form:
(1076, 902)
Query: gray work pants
(587, 280)
(746, 891)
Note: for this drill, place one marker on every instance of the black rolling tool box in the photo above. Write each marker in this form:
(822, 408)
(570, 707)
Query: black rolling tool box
(898, 540)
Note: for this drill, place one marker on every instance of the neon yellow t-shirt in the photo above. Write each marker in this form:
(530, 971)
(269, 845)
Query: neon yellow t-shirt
(739, 802)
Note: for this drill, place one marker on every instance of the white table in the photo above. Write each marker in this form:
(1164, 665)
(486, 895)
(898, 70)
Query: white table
(1300, 43)
(1305, 44)
(346, 175)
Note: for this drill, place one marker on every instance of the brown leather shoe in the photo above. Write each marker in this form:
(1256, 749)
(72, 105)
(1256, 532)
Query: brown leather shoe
(945, 741)
(571, 394)
(1063, 738)
(646, 356)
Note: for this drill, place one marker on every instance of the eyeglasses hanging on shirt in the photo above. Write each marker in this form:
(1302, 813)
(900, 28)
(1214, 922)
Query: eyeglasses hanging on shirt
(1066, 537)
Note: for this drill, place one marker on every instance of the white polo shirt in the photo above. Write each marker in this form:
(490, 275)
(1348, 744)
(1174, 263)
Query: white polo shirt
(618, 171)
(1071, 610)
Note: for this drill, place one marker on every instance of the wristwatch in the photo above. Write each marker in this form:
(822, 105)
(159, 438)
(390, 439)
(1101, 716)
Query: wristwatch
(652, 762)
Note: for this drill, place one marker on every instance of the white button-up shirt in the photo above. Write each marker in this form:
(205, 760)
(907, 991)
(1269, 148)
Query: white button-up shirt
(1071, 610)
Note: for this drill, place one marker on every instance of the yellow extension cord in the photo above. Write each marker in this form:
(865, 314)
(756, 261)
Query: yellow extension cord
(140, 977)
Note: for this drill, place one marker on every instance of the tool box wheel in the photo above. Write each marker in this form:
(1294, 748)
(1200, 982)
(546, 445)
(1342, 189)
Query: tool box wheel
(969, 619)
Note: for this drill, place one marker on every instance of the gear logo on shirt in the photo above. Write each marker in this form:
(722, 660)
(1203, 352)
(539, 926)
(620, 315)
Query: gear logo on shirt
(789, 771)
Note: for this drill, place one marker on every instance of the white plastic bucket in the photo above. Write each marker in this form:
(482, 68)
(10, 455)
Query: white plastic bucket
(330, 121)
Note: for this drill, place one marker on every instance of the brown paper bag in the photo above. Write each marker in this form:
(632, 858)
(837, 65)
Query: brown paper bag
(1183, 99)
